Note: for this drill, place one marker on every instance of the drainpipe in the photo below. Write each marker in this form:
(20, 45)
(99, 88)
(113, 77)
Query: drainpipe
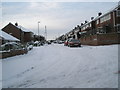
(114, 19)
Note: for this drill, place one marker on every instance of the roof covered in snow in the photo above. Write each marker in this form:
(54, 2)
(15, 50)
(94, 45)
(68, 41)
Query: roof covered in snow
(7, 36)
(111, 10)
(23, 29)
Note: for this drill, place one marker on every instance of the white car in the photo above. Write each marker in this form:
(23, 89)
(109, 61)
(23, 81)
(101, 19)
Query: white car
(30, 47)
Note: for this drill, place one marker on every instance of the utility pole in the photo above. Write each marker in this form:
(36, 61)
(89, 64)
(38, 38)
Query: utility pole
(38, 27)
(38, 31)
(45, 32)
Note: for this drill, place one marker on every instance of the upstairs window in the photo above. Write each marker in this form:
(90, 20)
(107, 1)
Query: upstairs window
(97, 21)
(118, 13)
(105, 18)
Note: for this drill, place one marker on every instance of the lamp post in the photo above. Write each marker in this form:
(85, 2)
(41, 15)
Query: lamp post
(45, 32)
(38, 30)
(38, 27)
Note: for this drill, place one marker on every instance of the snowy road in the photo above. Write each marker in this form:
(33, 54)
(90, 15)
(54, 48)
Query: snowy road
(58, 66)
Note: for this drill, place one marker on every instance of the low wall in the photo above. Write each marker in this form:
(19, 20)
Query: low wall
(101, 39)
(12, 53)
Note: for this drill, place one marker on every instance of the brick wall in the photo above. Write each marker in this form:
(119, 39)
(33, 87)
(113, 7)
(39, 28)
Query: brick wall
(28, 36)
(101, 39)
(12, 53)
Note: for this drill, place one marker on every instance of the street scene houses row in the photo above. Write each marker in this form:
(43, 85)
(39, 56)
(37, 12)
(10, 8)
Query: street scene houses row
(21, 33)
(17, 40)
(105, 27)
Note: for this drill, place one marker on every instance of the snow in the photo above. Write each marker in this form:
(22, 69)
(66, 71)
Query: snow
(7, 36)
(0, 74)
(59, 66)
(23, 29)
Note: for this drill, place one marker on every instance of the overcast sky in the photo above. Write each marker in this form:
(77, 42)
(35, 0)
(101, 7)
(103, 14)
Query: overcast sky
(59, 17)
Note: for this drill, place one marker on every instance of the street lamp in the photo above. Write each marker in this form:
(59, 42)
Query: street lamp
(38, 27)
(45, 32)
(38, 31)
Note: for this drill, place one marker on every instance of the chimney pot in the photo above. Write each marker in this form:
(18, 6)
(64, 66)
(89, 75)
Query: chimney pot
(92, 18)
(16, 24)
(99, 14)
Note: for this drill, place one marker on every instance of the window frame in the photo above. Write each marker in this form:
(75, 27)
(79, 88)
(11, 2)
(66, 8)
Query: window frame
(117, 13)
(105, 18)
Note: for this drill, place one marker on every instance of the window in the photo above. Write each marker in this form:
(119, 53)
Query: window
(118, 13)
(90, 25)
(105, 18)
(118, 27)
(97, 21)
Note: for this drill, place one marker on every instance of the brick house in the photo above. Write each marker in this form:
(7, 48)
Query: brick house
(19, 32)
(104, 29)
(109, 22)
(39, 38)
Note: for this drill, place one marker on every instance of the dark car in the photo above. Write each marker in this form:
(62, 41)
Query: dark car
(48, 42)
(74, 43)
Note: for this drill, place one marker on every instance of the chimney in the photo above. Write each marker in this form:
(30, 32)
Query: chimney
(99, 14)
(86, 21)
(92, 18)
(16, 24)
(81, 24)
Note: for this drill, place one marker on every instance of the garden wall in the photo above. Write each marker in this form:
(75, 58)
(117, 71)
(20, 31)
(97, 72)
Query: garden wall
(12, 53)
(101, 39)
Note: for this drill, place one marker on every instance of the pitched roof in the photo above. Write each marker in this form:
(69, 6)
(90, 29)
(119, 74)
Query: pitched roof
(20, 27)
(23, 29)
(111, 10)
(7, 36)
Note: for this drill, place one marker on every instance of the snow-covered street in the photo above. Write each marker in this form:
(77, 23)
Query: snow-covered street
(58, 66)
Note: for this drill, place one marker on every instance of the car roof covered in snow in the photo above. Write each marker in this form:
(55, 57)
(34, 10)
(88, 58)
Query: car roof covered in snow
(6, 36)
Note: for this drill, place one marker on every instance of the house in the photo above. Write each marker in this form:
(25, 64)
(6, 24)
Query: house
(10, 46)
(103, 30)
(5, 37)
(77, 31)
(24, 35)
(109, 22)
(39, 38)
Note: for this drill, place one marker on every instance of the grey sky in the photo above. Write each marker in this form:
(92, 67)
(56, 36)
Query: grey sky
(59, 17)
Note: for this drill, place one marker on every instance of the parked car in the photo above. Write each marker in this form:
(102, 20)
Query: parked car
(66, 43)
(10, 46)
(54, 41)
(48, 42)
(74, 42)
(60, 42)
(38, 43)
(29, 47)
